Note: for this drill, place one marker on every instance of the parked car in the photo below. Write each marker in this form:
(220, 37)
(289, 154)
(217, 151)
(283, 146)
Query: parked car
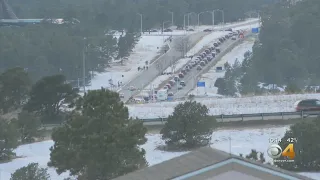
(307, 105)
(168, 30)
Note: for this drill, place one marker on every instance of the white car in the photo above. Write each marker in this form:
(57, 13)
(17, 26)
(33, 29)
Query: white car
(132, 88)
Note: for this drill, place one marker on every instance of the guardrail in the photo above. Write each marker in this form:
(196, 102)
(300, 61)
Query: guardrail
(235, 117)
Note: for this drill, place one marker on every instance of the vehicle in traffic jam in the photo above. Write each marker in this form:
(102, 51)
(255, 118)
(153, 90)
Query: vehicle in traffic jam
(182, 83)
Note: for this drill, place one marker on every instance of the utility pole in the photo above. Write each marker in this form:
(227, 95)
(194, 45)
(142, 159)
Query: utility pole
(84, 64)
(171, 17)
(140, 22)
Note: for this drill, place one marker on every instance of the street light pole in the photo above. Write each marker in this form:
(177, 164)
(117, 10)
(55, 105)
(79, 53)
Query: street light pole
(222, 12)
(171, 17)
(164, 24)
(189, 17)
(199, 17)
(184, 21)
(140, 22)
(84, 65)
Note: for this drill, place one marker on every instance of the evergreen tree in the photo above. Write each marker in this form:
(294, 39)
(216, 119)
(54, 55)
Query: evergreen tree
(8, 139)
(306, 148)
(189, 126)
(30, 172)
(100, 142)
(28, 126)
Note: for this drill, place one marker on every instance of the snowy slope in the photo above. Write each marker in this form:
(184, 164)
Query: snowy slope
(245, 105)
(242, 141)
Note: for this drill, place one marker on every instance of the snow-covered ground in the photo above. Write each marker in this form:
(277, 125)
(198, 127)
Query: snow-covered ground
(244, 105)
(146, 49)
(242, 141)
(212, 75)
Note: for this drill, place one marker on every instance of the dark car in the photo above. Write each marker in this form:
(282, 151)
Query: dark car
(307, 105)
(207, 30)
(218, 50)
(220, 39)
(228, 29)
(215, 44)
(233, 38)
(167, 30)
(190, 29)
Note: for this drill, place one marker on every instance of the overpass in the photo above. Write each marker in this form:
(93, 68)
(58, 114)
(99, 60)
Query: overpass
(9, 18)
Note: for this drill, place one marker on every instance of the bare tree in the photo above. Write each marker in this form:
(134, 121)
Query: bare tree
(183, 45)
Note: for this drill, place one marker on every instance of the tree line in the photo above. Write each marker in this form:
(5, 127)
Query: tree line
(284, 55)
(47, 49)
(99, 140)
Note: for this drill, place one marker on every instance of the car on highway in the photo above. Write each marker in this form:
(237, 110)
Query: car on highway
(218, 50)
(215, 44)
(121, 95)
(212, 48)
(199, 68)
(209, 58)
(193, 63)
(307, 105)
(172, 82)
(180, 87)
(213, 54)
(168, 30)
(169, 86)
(207, 30)
(182, 83)
(233, 38)
(176, 78)
(181, 75)
(190, 29)
(229, 29)
(132, 88)
(202, 63)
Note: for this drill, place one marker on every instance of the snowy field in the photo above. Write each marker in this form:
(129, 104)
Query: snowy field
(212, 75)
(242, 141)
(146, 49)
(245, 105)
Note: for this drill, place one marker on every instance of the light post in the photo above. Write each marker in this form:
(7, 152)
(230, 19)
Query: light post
(84, 64)
(140, 22)
(200, 14)
(189, 17)
(222, 12)
(164, 24)
(171, 17)
(184, 20)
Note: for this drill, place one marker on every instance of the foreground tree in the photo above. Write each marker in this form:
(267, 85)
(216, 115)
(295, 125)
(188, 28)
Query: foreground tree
(101, 142)
(255, 155)
(31, 171)
(14, 88)
(29, 127)
(189, 126)
(306, 149)
(48, 95)
(8, 139)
